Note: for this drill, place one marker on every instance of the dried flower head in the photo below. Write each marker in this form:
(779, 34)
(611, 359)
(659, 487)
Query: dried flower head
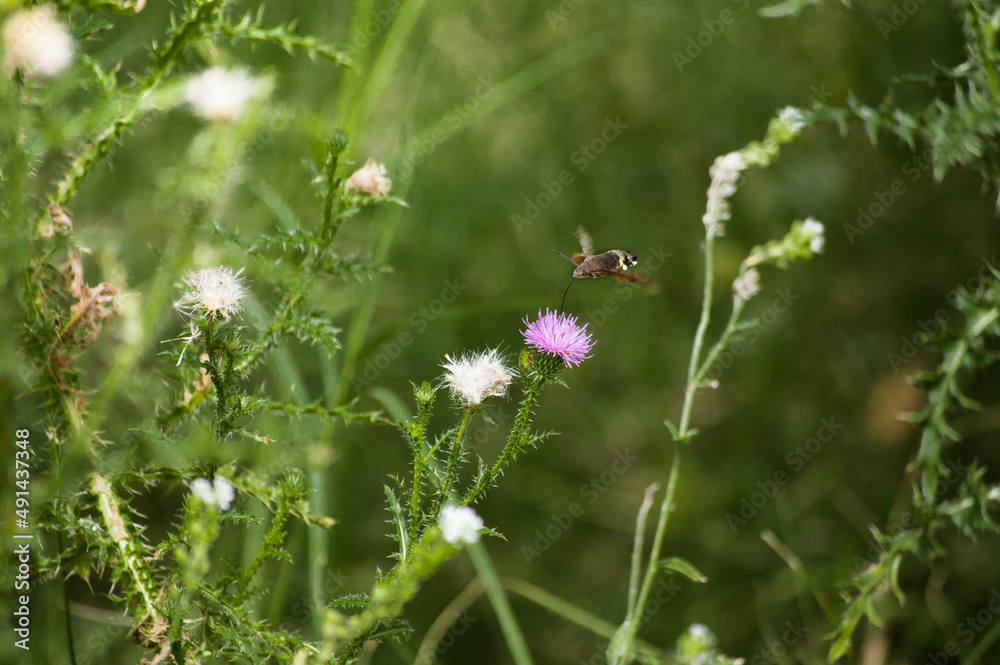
(725, 172)
(747, 285)
(214, 292)
(559, 334)
(370, 179)
(35, 41)
(219, 493)
(94, 308)
(459, 524)
(474, 377)
(220, 94)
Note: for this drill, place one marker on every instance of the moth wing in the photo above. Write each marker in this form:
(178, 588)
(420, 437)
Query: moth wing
(578, 258)
(617, 274)
(586, 243)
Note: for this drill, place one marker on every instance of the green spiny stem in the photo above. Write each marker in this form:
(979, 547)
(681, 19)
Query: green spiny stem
(83, 163)
(390, 594)
(516, 440)
(455, 456)
(166, 58)
(115, 523)
(272, 540)
(949, 384)
(416, 487)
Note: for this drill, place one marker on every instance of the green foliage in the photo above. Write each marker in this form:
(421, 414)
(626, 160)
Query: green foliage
(961, 121)
(132, 427)
(944, 498)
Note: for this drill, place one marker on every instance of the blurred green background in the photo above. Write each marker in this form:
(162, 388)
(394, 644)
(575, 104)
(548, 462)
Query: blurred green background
(826, 357)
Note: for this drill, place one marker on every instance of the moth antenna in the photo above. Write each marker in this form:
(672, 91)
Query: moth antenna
(562, 306)
(564, 256)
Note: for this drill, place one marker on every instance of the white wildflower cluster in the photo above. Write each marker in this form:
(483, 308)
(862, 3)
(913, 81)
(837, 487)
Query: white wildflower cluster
(725, 172)
(36, 42)
(219, 493)
(370, 179)
(747, 285)
(214, 292)
(993, 494)
(460, 524)
(816, 233)
(220, 94)
(474, 377)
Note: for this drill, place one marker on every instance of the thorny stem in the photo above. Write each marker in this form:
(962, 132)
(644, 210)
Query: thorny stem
(164, 61)
(515, 442)
(929, 480)
(274, 535)
(457, 446)
(418, 474)
(114, 522)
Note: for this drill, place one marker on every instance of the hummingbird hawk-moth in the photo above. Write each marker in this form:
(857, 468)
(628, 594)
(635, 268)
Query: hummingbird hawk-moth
(612, 263)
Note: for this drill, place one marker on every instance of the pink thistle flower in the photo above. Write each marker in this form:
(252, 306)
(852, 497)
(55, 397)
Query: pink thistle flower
(559, 334)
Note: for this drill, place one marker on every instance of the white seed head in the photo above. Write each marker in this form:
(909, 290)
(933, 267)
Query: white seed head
(215, 292)
(37, 42)
(220, 94)
(476, 376)
(370, 179)
(459, 524)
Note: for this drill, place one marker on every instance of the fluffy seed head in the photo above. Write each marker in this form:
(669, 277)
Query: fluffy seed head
(559, 334)
(214, 292)
(474, 377)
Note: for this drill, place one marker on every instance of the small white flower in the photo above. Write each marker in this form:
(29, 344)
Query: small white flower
(747, 285)
(792, 117)
(701, 631)
(215, 292)
(370, 179)
(816, 233)
(725, 172)
(37, 42)
(474, 377)
(220, 94)
(224, 492)
(218, 493)
(202, 489)
(993, 494)
(460, 524)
